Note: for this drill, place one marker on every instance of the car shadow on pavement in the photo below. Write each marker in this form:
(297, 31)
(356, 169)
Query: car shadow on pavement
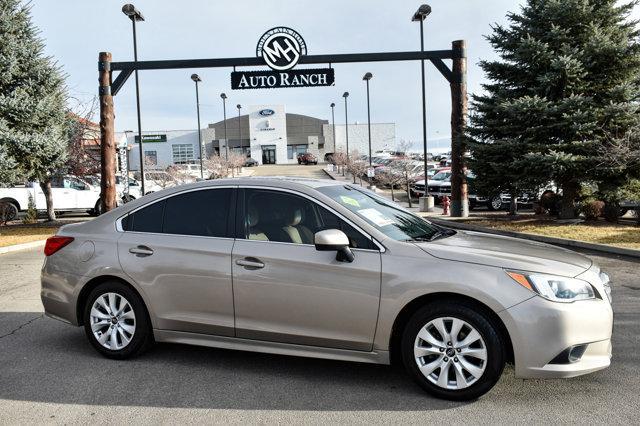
(44, 360)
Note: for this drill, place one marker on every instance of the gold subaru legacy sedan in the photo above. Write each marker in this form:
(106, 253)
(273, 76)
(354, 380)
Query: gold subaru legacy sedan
(318, 268)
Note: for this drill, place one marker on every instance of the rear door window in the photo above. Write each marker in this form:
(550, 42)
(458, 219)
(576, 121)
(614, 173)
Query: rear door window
(203, 213)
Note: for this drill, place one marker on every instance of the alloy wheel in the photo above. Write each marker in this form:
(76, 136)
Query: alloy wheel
(496, 202)
(113, 321)
(450, 353)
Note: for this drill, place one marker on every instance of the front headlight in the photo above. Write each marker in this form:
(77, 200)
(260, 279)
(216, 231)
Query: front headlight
(553, 287)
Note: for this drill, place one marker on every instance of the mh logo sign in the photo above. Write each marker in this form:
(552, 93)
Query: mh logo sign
(281, 48)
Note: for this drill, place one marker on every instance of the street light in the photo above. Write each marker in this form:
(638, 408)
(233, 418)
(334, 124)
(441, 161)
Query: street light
(135, 15)
(333, 122)
(425, 202)
(368, 76)
(240, 128)
(224, 113)
(196, 79)
(345, 95)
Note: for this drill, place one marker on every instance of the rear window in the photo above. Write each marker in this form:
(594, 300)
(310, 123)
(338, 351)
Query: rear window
(147, 219)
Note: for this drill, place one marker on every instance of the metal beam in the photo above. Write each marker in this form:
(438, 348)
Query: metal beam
(120, 80)
(307, 59)
(444, 69)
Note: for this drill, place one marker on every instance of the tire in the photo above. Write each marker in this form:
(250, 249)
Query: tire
(457, 388)
(134, 321)
(11, 212)
(495, 203)
(472, 204)
(97, 209)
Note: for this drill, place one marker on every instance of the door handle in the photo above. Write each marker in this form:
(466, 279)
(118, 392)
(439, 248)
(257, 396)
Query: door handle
(141, 251)
(250, 263)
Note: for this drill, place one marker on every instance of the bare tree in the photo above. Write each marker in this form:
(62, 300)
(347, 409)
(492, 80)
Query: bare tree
(217, 166)
(340, 159)
(236, 161)
(389, 178)
(356, 166)
(178, 175)
(83, 138)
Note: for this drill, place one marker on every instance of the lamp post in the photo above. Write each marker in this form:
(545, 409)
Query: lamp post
(345, 95)
(196, 79)
(135, 15)
(368, 76)
(240, 128)
(333, 124)
(425, 202)
(224, 114)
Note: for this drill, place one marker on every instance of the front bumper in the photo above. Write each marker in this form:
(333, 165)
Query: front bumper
(540, 330)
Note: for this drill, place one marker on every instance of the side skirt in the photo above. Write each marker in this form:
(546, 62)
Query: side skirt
(167, 336)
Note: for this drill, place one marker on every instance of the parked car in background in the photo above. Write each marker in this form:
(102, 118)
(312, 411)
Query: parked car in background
(307, 158)
(439, 176)
(250, 162)
(134, 191)
(192, 170)
(157, 180)
(69, 193)
(325, 269)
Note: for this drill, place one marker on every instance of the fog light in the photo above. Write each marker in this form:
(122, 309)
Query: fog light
(570, 355)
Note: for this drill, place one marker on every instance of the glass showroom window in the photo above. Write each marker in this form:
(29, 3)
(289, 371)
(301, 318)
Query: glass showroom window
(151, 158)
(182, 153)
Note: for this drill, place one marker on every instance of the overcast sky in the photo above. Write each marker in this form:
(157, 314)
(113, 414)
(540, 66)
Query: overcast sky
(76, 30)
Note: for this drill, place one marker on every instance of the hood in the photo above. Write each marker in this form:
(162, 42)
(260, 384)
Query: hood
(507, 252)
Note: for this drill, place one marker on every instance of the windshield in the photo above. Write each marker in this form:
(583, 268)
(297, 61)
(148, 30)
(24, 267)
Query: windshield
(441, 176)
(384, 215)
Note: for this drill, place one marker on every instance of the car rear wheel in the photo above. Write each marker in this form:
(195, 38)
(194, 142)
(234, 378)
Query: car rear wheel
(453, 351)
(116, 321)
(495, 203)
(9, 211)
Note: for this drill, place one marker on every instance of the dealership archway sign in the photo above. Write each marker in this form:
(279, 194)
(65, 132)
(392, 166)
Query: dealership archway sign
(281, 49)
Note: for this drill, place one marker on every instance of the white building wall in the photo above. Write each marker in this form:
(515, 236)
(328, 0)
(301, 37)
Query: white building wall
(164, 150)
(265, 130)
(383, 136)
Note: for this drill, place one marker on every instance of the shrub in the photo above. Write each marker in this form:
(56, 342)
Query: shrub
(592, 209)
(31, 216)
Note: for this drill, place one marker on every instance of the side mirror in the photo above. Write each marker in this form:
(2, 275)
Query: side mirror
(334, 240)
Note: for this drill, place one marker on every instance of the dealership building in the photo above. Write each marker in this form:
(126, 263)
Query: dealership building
(267, 133)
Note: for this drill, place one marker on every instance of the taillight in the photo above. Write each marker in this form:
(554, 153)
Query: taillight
(55, 243)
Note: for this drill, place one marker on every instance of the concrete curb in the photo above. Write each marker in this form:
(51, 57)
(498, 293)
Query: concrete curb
(326, 172)
(24, 246)
(541, 238)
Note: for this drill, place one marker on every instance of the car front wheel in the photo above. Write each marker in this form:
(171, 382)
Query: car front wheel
(453, 351)
(116, 321)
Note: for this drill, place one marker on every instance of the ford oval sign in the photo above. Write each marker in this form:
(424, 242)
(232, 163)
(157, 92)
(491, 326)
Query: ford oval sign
(266, 112)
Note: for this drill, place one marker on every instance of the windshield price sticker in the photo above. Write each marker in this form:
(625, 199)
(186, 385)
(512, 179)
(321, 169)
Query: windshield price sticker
(376, 217)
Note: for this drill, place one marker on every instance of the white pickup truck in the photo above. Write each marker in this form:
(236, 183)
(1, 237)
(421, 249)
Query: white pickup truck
(69, 194)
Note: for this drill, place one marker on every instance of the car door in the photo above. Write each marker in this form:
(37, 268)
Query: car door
(287, 291)
(85, 196)
(64, 196)
(178, 251)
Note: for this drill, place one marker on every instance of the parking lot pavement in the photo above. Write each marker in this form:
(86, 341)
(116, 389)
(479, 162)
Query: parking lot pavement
(49, 373)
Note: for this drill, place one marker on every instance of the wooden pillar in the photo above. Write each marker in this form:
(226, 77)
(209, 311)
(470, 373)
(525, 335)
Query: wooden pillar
(107, 135)
(459, 200)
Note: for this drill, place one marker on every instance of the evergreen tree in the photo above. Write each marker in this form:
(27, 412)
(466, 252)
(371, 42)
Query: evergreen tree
(32, 103)
(564, 90)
